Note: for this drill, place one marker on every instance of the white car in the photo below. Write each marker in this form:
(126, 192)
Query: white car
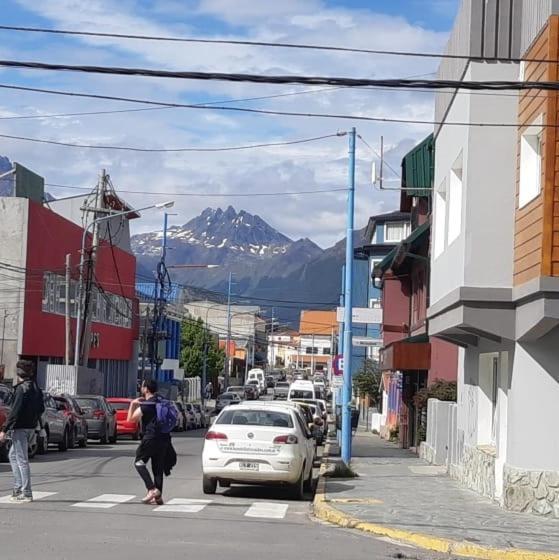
(259, 444)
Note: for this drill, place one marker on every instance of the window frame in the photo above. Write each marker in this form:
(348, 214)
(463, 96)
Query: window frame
(528, 190)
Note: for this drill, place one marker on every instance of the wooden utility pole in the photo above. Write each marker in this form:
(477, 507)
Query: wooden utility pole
(68, 341)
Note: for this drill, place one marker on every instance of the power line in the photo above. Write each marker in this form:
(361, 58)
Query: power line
(169, 150)
(270, 112)
(274, 44)
(284, 79)
(378, 155)
(209, 195)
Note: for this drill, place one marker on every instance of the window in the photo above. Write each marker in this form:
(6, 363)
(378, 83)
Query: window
(455, 201)
(396, 232)
(311, 350)
(530, 163)
(440, 219)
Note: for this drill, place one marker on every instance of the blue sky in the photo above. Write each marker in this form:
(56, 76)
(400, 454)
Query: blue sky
(416, 25)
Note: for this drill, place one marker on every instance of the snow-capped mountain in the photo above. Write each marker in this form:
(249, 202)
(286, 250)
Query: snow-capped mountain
(241, 233)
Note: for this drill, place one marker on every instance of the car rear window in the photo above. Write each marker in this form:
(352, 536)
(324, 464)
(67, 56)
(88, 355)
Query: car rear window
(256, 418)
(120, 405)
(88, 403)
(301, 394)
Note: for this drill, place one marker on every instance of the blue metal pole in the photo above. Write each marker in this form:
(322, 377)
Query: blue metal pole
(159, 295)
(348, 305)
(228, 342)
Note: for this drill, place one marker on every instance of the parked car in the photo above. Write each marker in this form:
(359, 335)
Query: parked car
(76, 419)
(123, 427)
(201, 410)
(258, 374)
(100, 417)
(185, 421)
(237, 389)
(226, 399)
(56, 424)
(197, 415)
(179, 424)
(251, 392)
(259, 443)
(257, 385)
(270, 381)
(281, 389)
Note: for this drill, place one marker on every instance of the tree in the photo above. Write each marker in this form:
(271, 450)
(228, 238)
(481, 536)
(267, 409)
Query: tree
(367, 380)
(194, 337)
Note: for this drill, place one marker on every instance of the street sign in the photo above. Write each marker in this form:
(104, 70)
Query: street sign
(337, 382)
(366, 341)
(361, 315)
(338, 365)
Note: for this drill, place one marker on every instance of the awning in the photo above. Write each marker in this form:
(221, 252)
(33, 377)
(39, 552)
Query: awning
(385, 264)
(411, 244)
(403, 355)
(418, 168)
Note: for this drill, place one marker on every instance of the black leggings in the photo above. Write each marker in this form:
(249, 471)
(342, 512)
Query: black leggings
(154, 450)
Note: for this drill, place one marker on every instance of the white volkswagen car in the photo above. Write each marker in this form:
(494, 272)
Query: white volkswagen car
(259, 444)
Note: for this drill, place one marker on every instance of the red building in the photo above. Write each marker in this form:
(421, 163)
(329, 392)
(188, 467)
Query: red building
(34, 242)
(410, 359)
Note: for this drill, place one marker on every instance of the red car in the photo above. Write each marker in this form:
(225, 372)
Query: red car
(124, 428)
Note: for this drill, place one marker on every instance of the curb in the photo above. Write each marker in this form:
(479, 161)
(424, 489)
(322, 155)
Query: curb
(325, 512)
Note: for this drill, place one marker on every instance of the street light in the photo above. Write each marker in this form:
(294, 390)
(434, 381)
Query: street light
(159, 205)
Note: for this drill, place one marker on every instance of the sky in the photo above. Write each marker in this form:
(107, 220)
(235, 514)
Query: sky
(406, 25)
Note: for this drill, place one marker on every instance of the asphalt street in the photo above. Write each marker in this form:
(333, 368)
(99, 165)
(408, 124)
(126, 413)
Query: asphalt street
(87, 507)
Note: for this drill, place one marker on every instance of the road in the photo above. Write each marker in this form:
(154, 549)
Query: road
(236, 524)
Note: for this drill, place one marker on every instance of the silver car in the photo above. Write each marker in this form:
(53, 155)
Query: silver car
(100, 417)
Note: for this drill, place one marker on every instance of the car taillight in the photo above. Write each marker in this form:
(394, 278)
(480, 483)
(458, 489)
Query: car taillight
(216, 435)
(286, 439)
(98, 414)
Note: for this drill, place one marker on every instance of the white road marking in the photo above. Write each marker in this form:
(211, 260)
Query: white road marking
(112, 498)
(268, 510)
(183, 505)
(36, 496)
(105, 501)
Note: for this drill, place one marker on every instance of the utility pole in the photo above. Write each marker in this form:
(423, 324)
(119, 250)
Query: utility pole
(272, 365)
(246, 361)
(85, 285)
(348, 305)
(68, 342)
(312, 355)
(205, 366)
(228, 341)
(159, 304)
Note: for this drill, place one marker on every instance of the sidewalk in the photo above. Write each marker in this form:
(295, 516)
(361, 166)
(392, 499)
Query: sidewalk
(400, 496)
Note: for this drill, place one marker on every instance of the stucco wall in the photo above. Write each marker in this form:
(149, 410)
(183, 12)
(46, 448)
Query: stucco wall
(534, 395)
(481, 255)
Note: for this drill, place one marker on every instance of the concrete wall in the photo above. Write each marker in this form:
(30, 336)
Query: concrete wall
(482, 254)
(13, 239)
(535, 14)
(534, 395)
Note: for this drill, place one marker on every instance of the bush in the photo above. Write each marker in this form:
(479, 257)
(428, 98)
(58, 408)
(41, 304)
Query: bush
(440, 389)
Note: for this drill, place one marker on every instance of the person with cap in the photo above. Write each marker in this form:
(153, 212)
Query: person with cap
(25, 414)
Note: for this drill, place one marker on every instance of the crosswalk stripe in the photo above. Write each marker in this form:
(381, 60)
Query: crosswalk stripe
(36, 496)
(105, 501)
(183, 505)
(268, 510)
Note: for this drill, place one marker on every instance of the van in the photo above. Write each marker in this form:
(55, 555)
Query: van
(301, 390)
(258, 375)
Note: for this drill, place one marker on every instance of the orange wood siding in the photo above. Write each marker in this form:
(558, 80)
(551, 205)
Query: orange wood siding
(536, 236)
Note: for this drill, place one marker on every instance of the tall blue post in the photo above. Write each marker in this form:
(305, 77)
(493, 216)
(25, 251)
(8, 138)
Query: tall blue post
(348, 305)
(228, 342)
(159, 303)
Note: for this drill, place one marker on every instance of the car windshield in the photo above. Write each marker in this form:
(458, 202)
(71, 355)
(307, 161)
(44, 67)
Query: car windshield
(233, 389)
(88, 403)
(227, 397)
(282, 384)
(256, 418)
(301, 394)
(253, 382)
(120, 405)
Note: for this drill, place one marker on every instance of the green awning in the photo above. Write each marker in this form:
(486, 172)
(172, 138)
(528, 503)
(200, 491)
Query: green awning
(386, 263)
(418, 168)
(417, 236)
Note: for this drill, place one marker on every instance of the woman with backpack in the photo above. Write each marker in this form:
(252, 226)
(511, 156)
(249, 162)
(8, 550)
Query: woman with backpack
(158, 418)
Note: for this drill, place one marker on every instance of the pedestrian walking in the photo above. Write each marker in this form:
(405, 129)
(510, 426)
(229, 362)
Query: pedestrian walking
(25, 415)
(158, 418)
(209, 390)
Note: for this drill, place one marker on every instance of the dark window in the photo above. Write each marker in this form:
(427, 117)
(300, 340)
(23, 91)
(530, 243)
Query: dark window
(256, 418)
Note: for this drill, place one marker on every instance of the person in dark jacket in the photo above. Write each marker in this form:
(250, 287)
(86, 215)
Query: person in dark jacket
(26, 411)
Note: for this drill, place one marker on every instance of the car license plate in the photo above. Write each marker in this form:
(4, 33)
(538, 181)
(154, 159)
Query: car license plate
(248, 466)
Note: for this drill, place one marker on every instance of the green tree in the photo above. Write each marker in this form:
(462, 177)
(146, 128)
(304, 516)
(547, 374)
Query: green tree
(193, 338)
(367, 380)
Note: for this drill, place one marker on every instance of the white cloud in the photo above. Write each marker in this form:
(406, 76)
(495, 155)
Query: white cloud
(301, 167)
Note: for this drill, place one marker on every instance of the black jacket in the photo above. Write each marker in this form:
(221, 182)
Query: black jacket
(27, 407)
